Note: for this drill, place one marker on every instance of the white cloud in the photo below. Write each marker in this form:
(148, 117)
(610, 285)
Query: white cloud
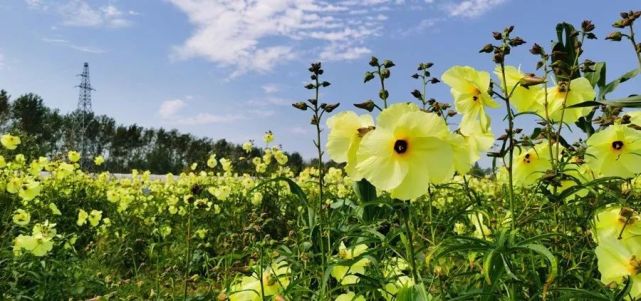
(208, 118)
(169, 108)
(270, 88)
(471, 8)
(82, 14)
(65, 43)
(256, 35)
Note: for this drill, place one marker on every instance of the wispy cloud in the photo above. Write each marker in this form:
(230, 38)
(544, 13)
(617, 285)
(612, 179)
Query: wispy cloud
(270, 88)
(471, 8)
(65, 43)
(80, 13)
(169, 108)
(258, 35)
(170, 111)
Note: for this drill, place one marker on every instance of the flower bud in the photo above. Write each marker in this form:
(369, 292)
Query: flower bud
(388, 64)
(385, 73)
(368, 76)
(531, 80)
(516, 42)
(330, 107)
(614, 36)
(487, 49)
(310, 86)
(300, 105)
(373, 62)
(497, 36)
(366, 105)
(383, 94)
(587, 26)
(537, 49)
(325, 84)
(417, 94)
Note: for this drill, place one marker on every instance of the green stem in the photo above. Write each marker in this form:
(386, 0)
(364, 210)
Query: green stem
(634, 45)
(510, 133)
(410, 245)
(188, 257)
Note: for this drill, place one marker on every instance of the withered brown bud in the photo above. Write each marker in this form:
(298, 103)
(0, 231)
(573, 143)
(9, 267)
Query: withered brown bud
(434, 80)
(487, 49)
(310, 86)
(330, 107)
(373, 62)
(451, 113)
(300, 105)
(536, 49)
(368, 105)
(313, 101)
(531, 80)
(516, 42)
(314, 120)
(415, 76)
(587, 26)
(497, 35)
(325, 84)
(365, 130)
(509, 29)
(590, 36)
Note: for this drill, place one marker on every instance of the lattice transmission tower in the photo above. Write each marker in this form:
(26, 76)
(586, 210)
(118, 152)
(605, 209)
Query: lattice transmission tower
(83, 111)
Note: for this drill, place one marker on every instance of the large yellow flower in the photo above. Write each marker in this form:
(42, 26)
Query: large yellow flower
(275, 278)
(615, 151)
(408, 149)
(531, 163)
(478, 140)
(345, 132)
(469, 88)
(9, 141)
(622, 224)
(523, 99)
(616, 260)
(578, 91)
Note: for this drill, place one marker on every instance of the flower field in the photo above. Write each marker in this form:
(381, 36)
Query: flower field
(406, 215)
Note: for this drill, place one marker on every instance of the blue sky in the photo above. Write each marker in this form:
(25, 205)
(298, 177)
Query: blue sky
(231, 68)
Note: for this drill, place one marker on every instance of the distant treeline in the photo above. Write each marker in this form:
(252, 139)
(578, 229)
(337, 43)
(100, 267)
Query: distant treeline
(47, 132)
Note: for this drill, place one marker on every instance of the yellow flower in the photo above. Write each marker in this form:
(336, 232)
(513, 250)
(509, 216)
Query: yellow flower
(531, 163)
(82, 217)
(226, 164)
(257, 199)
(524, 99)
(480, 229)
(275, 278)
(350, 296)
(478, 140)
(193, 166)
(268, 137)
(347, 274)
(73, 156)
(247, 146)
(10, 142)
(29, 190)
(579, 90)
(21, 217)
(212, 162)
(390, 289)
(408, 149)
(615, 151)
(615, 222)
(469, 88)
(54, 209)
(94, 217)
(346, 130)
(98, 160)
(616, 260)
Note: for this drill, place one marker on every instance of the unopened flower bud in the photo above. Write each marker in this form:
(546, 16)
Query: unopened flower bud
(366, 105)
(614, 36)
(300, 105)
(516, 42)
(497, 36)
(531, 80)
(368, 76)
(587, 26)
(417, 94)
(487, 49)
(373, 62)
(388, 64)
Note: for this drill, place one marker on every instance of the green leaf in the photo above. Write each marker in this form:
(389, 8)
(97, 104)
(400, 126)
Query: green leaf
(365, 191)
(633, 101)
(597, 77)
(615, 83)
(413, 293)
(545, 252)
